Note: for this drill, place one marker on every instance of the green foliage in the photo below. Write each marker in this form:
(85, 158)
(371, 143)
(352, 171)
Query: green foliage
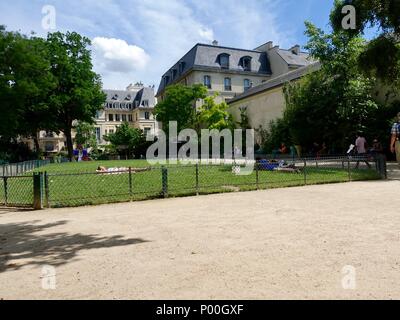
(46, 84)
(78, 95)
(332, 104)
(179, 105)
(244, 122)
(214, 115)
(274, 135)
(25, 84)
(127, 141)
(381, 57)
(86, 135)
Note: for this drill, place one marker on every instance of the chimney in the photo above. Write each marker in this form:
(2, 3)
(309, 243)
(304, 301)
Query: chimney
(265, 47)
(295, 49)
(215, 43)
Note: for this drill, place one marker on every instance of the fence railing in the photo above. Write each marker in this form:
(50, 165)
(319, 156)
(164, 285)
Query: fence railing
(15, 169)
(47, 189)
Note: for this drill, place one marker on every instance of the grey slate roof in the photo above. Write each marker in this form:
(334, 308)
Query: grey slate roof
(278, 81)
(134, 97)
(205, 57)
(301, 59)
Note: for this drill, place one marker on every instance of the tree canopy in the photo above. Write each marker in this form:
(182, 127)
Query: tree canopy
(78, 94)
(179, 105)
(381, 56)
(128, 141)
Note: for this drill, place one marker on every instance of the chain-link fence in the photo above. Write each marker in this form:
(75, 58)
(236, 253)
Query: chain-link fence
(15, 169)
(16, 191)
(130, 184)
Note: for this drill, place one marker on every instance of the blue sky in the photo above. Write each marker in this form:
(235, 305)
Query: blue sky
(138, 40)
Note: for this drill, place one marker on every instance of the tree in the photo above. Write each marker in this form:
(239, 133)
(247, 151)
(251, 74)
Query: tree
(86, 135)
(26, 82)
(179, 105)
(78, 94)
(381, 57)
(334, 103)
(214, 115)
(127, 140)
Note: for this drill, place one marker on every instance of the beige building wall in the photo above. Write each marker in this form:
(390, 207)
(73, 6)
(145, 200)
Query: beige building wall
(261, 108)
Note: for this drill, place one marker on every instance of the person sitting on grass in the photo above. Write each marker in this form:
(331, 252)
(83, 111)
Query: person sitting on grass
(282, 150)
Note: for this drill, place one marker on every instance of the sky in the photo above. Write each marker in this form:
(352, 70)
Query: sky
(139, 40)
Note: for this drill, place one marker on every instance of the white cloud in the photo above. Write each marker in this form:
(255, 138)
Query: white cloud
(116, 55)
(128, 34)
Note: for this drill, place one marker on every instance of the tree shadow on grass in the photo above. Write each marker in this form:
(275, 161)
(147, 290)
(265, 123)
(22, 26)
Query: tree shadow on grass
(24, 244)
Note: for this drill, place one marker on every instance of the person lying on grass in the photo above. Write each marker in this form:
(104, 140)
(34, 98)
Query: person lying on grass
(106, 170)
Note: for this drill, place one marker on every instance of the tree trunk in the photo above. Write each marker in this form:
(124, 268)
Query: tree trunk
(36, 142)
(70, 145)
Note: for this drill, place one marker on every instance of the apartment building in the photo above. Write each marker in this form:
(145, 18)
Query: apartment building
(232, 71)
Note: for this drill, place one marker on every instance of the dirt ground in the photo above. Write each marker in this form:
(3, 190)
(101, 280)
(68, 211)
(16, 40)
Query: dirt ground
(275, 244)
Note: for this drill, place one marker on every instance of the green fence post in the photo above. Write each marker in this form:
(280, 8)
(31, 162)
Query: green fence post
(197, 180)
(164, 172)
(257, 176)
(47, 189)
(38, 191)
(5, 191)
(130, 182)
(305, 172)
(349, 170)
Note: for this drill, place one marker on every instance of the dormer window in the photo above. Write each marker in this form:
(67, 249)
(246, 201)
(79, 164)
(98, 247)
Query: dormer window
(115, 97)
(128, 98)
(166, 80)
(174, 74)
(245, 63)
(182, 66)
(223, 60)
(145, 103)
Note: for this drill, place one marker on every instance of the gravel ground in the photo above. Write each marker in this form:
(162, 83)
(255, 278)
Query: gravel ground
(274, 244)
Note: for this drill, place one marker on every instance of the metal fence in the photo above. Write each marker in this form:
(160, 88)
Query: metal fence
(121, 185)
(15, 169)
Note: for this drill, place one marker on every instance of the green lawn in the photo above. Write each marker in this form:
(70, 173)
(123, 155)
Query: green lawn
(77, 184)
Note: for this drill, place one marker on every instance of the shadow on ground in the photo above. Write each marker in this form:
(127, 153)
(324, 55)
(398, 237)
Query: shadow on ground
(21, 245)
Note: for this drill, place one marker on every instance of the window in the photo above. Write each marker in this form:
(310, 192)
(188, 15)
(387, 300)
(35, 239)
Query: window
(137, 117)
(174, 74)
(49, 146)
(98, 134)
(181, 67)
(147, 115)
(224, 60)
(117, 118)
(124, 118)
(130, 118)
(247, 84)
(111, 117)
(228, 84)
(146, 131)
(207, 81)
(245, 63)
(145, 103)
(111, 131)
(166, 80)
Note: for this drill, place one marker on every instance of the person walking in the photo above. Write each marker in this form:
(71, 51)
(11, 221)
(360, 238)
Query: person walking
(395, 142)
(361, 147)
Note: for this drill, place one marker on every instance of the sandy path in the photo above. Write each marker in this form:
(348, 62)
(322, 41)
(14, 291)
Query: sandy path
(274, 244)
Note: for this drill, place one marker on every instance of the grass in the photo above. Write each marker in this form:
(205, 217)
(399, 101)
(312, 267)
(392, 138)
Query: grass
(77, 184)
